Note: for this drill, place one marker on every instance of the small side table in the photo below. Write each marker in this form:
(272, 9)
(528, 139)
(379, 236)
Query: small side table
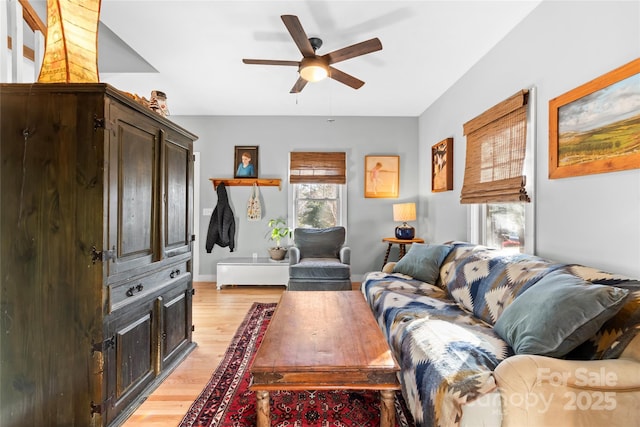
(402, 243)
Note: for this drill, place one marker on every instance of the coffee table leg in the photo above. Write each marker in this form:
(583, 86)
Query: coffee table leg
(387, 408)
(262, 408)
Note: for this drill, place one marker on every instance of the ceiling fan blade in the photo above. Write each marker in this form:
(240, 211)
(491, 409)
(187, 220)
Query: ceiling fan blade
(299, 36)
(345, 78)
(354, 50)
(270, 62)
(300, 84)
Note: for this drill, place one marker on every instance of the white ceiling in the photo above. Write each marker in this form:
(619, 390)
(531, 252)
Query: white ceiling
(193, 50)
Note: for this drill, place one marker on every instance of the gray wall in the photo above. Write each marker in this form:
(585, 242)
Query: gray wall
(369, 220)
(592, 220)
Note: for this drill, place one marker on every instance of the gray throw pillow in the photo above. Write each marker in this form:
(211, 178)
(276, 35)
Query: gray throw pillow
(423, 261)
(557, 314)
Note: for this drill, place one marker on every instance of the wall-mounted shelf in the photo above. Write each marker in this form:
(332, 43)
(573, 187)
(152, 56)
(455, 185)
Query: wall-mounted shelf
(234, 182)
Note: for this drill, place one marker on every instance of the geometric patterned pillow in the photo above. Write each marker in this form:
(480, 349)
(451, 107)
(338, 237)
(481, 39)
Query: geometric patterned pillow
(485, 281)
(614, 336)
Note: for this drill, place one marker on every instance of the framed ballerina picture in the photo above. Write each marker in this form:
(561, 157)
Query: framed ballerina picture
(382, 176)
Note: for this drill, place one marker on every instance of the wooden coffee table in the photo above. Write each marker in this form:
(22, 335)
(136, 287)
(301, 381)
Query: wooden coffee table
(324, 340)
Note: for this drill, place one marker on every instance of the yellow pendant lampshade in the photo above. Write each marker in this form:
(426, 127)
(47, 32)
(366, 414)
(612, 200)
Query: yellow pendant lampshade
(71, 48)
(404, 212)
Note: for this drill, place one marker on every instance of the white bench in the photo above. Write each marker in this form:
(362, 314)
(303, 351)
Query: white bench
(252, 271)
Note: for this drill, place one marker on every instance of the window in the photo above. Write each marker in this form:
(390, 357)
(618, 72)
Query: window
(499, 174)
(317, 205)
(318, 189)
(504, 226)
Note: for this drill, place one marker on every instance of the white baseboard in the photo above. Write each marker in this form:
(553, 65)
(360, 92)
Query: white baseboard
(204, 278)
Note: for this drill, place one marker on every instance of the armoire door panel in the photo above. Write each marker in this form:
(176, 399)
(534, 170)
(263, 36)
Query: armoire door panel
(133, 193)
(176, 316)
(132, 358)
(177, 197)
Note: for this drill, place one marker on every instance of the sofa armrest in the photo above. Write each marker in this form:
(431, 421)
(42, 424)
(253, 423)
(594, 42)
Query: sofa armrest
(294, 255)
(388, 267)
(345, 255)
(543, 391)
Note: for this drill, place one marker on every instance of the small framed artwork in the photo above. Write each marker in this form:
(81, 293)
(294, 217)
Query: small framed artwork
(246, 161)
(442, 166)
(381, 176)
(594, 128)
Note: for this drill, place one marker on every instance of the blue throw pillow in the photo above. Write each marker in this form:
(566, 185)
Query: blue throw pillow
(423, 262)
(557, 314)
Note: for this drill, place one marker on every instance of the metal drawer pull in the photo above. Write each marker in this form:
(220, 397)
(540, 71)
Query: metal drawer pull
(174, 273)
(132, 290)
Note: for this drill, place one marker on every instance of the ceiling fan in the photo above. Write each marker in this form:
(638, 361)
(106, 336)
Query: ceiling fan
(312, 67)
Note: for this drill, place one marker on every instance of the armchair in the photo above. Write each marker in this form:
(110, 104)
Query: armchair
(319, 261)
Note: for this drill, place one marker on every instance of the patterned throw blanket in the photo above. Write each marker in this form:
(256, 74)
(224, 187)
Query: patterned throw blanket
(446, 347)
(446, 355)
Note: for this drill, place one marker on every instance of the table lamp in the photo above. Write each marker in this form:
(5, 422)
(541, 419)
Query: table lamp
(404, 212)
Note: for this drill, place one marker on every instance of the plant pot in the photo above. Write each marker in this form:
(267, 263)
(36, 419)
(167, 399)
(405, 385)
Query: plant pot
(277, 254)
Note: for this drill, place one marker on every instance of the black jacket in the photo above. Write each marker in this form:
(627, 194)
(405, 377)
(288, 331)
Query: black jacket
(222, 226)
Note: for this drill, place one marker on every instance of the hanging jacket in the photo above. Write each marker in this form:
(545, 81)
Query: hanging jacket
(222, 226)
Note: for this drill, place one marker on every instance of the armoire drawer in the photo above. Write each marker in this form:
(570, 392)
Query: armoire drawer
(124, 293)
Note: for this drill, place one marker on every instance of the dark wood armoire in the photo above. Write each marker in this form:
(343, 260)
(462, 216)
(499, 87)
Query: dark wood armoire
(96, 223)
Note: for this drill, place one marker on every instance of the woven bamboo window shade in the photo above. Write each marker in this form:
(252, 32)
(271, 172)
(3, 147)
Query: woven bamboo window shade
(317, 167)
(496, 145)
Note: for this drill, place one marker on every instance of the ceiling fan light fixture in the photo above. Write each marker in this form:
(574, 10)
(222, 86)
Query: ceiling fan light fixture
(313, 69)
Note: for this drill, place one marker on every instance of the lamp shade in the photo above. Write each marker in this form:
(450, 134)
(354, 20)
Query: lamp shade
(71, 48)
(404, 212)
(313, 69)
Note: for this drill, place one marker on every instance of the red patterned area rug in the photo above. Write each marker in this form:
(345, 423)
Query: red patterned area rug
(227, 401)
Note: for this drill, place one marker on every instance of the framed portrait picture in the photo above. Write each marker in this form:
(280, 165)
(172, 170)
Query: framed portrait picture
(246, 161)
(381, 176)
(594, 128)
(442, 166)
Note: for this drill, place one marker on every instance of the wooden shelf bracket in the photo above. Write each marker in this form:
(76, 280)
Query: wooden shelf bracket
(235, 182)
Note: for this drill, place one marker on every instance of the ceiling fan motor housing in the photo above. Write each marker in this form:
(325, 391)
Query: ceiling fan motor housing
(316, 43)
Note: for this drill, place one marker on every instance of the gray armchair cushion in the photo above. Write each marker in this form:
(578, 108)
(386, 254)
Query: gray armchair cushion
(319, 242)
(320, 268)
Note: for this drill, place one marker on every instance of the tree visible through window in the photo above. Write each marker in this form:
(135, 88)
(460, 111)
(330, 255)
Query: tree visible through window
(318, 189)
(317, 205)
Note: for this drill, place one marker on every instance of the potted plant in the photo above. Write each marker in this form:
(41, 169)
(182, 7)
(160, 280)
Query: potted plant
(278, 231)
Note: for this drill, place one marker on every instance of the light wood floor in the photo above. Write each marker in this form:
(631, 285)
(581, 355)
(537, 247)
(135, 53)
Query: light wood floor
(216, 316)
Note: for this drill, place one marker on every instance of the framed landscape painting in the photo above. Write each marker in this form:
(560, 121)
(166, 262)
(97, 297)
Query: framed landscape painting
(381, 176)
(594, 128)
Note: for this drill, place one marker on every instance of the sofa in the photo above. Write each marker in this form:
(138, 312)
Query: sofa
(488, 337)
